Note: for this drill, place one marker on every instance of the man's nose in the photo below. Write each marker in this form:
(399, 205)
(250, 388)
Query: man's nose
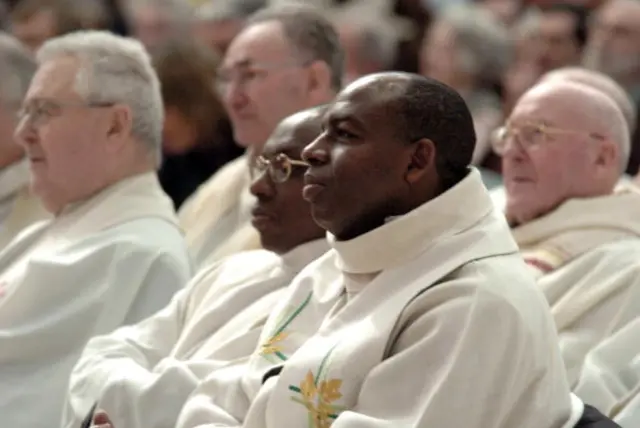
(25, 133)
(262, 186)
(316, 153)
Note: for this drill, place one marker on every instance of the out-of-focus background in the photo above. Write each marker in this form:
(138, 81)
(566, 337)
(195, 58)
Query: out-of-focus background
(491, 51)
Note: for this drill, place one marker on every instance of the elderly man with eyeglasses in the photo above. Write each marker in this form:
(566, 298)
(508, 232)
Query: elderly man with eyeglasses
(286, 59)
(141, 376)
(564, 149)
(113, 253)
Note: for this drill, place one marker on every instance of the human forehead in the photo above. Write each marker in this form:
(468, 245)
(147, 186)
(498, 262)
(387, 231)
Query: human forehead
(258, 43)
(54, 79)
(292, 135)
(621, 10)
(548, 105)
(361, 107)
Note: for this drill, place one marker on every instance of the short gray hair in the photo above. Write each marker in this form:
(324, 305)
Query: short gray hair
(115, 69)
(310, 33)
(17, 67)
(484, 42)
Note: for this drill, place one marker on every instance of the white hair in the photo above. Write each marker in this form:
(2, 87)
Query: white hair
(17, 67)
(484, 43)
(115, 69)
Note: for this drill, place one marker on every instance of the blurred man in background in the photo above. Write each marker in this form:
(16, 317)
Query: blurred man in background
(286, 59)
(113, 254)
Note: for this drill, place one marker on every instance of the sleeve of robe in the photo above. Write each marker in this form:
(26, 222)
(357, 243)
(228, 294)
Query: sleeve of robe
(465, 359)
(129, 373)
(65, 299)
(610, 378)
(603, 297)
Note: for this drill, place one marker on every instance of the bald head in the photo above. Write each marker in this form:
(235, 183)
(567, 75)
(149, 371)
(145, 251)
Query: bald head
(418, 107)
(564, 140)
(280, 215)
(602, 83)
(295, 132)
(584, 107)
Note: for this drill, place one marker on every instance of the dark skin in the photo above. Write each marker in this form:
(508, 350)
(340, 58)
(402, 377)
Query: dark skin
(362, 168)
(280, 214)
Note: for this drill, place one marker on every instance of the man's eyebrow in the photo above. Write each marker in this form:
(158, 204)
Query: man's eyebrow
(238, 64)
(338, 117)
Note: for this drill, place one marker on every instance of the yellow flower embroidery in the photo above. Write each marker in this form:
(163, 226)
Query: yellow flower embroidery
(319, 397)
(273, 344)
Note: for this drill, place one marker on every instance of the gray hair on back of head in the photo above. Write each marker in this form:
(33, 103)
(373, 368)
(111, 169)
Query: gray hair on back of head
(310, 33)
(17, 67)
(115, 69)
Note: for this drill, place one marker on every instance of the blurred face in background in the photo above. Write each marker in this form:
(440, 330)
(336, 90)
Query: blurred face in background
(505, 10)
(35, 29)
(438, 56)
(151, 25)
(525, 70)
(262, 80)
(217, 35)
(614, 42)
(559, 45)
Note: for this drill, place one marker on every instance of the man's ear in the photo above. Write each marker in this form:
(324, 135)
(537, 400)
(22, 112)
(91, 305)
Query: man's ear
(608, 154)
(422, 159)
(319, 81)
(120, 123)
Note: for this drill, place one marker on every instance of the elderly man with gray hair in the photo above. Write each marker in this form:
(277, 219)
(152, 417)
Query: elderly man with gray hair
(113, 254)
(564, 149)
(19, 207)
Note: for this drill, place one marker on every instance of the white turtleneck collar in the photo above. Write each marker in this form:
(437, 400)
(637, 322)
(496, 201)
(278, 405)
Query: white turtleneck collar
(407, 236)
(296, 259)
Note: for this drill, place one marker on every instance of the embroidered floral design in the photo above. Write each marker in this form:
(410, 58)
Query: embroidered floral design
(273, 345)
(318, 395)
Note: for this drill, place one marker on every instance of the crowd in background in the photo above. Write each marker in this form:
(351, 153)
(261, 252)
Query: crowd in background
(490, 51)
(197, 213)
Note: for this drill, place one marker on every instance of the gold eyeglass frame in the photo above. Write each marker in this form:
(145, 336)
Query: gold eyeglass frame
(265, 165)
(499, 136)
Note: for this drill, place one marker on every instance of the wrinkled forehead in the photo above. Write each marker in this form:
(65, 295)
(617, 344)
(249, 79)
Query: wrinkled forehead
(264, 42)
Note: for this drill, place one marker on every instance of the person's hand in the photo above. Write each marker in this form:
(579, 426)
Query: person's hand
(101, 420)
